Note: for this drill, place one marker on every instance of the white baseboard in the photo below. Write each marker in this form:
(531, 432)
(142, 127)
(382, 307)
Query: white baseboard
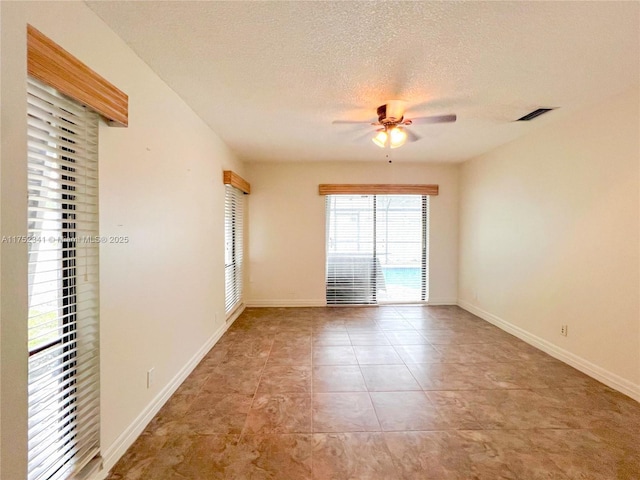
(287, 303)
(112, 454)
(323, 302)
(585, 366)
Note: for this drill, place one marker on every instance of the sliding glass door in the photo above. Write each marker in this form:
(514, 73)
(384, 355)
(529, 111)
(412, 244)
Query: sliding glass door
(377, 249)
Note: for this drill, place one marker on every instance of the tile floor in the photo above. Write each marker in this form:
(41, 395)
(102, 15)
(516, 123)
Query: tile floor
(404, 392)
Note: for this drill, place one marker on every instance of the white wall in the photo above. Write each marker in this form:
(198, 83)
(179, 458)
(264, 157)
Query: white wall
(549, 235)
(287, 226)
(1, 257)
(160, 185)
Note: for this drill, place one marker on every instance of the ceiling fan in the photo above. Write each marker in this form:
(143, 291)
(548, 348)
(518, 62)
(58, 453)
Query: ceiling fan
(392, 122)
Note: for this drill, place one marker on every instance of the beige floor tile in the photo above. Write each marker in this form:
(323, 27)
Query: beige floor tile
(342, 378)
(334, 355)
(362, 456)
(377, 355)
(406, 338)
(394, 325)
(290, 353)
(508, 453)
(138, 458)
(418, 354)
(452, 376)
(285, 379)
(388, 378)
(403, 411)
(432, 455)
(279, 413)
(170, 414)
(428, 393)
(332, 337)
(224, 413)
(454, 412)
(272, 457)
(240, 379)
(368, 338)
(344, 412)
(330, 328)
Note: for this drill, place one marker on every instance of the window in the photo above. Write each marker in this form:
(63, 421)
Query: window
(62, 285)
(233, 236)
(377, 248)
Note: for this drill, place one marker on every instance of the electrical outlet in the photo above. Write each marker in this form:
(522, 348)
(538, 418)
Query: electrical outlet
(150, 379)
(564, 330)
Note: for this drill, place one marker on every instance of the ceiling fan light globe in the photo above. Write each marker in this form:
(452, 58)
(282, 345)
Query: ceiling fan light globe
(380, 139)
(398, 137)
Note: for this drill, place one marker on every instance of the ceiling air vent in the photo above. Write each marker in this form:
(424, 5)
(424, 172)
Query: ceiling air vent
(534, 114)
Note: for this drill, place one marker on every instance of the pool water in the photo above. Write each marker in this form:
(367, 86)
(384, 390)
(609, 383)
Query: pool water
(408, 276)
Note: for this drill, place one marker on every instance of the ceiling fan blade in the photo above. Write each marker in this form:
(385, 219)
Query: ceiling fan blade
(434, 119)
(411, 136)
(363, 138)
(350, 129)
(338, 122)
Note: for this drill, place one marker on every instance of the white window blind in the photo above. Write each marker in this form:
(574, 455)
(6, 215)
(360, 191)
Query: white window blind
(377, 248)
(62, 285)
(233, 237)
(350, 249)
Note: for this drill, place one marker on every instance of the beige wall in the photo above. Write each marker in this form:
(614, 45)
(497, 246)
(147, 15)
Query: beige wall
(549, 235)
(160, 185)
(287, 226)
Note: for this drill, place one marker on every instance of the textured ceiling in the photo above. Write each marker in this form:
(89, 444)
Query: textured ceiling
(269, 77)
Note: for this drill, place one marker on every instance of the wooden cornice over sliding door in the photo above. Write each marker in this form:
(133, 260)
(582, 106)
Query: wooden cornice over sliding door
(376, 189)
(235, 180)
(50, 63)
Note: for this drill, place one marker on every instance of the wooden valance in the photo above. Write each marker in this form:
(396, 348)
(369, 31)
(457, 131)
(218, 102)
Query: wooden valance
(50, 63)
(235, 180)
(376, 189)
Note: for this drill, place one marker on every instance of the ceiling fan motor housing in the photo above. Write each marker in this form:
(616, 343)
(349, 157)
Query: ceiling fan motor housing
(395, 115)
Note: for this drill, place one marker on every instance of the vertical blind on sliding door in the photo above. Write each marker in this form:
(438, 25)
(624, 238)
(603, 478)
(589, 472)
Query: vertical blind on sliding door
(62, 285)
(377, 248)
